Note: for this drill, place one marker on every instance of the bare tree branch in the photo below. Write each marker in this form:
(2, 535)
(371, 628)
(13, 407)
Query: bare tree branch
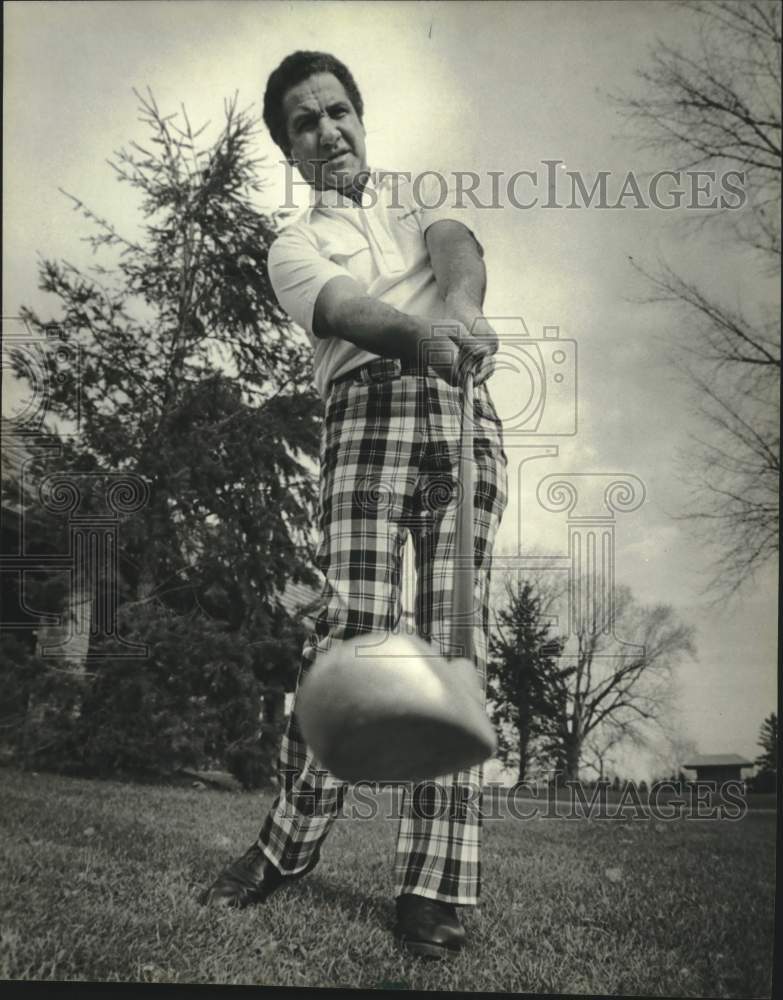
(715, 101)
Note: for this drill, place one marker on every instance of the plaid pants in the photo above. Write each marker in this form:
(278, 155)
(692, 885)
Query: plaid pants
(389, 462)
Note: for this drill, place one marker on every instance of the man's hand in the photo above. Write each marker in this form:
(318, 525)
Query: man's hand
(441, 353)
(451, 352)
(457, 263)
(480, 341)
(344, 310)
(477, 343)
(479, 352)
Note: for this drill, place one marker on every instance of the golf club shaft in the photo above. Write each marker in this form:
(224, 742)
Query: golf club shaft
(462, 592)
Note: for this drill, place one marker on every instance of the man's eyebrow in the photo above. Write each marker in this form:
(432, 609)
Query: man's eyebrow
(307, 114)
(303, 113)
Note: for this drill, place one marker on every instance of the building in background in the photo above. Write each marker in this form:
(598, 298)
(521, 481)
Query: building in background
(718, 767)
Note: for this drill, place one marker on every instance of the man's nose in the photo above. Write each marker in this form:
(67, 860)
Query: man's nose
(328, 131)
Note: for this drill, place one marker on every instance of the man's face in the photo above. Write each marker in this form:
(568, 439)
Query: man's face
(326, 136)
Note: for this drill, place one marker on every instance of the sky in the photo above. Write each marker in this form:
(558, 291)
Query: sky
(451, 86)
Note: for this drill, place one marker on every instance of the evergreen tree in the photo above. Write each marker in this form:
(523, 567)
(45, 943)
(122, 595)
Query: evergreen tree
(522, 662)
(192, 376)
(194, 379)
(768, 741)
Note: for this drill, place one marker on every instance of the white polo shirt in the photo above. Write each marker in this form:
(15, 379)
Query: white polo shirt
(380, 244)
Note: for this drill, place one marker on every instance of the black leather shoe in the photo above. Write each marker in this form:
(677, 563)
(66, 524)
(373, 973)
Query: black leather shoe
(428, 927)
(248, 880)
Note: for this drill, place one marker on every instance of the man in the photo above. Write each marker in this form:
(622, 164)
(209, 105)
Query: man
(388, 289)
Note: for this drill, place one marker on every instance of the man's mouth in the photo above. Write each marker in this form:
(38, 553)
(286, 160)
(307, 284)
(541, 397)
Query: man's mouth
(338, 156)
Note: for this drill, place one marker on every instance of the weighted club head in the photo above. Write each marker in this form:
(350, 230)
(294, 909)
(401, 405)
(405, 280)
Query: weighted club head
(389, 708)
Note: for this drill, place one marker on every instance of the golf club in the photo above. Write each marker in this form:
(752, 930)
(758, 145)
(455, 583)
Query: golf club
(390, 707)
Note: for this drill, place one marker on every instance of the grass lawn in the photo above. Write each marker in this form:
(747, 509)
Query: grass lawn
(99, 882)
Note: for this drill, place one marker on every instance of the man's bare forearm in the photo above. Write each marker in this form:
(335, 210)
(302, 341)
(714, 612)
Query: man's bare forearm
(381, 329)
(460, 274)
(463, 282)
(377, 327)
(345, 311)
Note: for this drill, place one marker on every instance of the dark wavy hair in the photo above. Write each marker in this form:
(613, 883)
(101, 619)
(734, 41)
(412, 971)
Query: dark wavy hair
(293, 70)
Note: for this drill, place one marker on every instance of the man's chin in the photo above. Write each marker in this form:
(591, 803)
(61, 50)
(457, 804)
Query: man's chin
(345, 181)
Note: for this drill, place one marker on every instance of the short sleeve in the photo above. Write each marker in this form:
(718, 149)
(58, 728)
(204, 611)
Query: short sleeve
(444, 195)
(298, 272)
